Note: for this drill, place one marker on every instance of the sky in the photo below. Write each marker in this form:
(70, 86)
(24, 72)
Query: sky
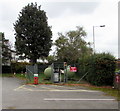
(65, 15)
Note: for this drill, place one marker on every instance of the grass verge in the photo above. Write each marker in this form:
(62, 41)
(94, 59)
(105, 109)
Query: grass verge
(109, 91)
(18, 75)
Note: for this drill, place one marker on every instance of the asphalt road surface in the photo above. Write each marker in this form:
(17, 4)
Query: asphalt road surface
(17, 95)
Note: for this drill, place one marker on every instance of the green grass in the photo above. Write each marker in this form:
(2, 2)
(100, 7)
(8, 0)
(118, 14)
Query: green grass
(108, 91)
(42, 79)
(21, 76)
(7, 75)
(18, 75)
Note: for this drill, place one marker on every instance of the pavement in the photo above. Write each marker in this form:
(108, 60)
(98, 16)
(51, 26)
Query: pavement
(18, 95)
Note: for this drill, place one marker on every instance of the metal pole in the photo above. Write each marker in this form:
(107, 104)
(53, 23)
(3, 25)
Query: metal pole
(93, 41)
(94, 36)
(52, 72)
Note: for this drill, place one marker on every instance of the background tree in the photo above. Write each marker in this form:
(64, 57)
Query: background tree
(6, 51)
(51, 59)
(33, 35)
(71, 46)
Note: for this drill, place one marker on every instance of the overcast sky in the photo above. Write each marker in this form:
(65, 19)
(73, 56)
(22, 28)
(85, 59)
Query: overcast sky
(65, 15)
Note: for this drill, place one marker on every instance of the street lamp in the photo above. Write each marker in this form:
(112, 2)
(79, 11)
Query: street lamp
(94, 36)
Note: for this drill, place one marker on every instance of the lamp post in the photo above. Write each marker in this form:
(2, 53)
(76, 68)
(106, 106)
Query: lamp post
(94, 37)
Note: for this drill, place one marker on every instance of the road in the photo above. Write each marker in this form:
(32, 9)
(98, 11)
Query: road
(17, 95)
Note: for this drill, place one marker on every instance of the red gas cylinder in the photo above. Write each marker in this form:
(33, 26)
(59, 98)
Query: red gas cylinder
(35, 80)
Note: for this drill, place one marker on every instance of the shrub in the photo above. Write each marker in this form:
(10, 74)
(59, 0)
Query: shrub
(100, 68)
(19, 67)
(6, 69)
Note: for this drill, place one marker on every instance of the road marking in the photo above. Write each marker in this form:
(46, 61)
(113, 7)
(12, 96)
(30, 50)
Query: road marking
(63, 87)
(23, 87)
(76, 99)
(53, 89)
(19, 87)
(65, 90)
(32, 85)
(47, 88)
(73, 90)
(28, 89)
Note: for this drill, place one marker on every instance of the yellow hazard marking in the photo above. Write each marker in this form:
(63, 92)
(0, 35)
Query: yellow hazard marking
(19, 87)
(48, 88)
(11, 107)
(55, 90)
(23, 87)
(28, 89)
(52, 89)
(33, 85)
(76, 99)
(64, 87)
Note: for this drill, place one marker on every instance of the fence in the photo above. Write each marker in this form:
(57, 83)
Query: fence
(42, 67)
(34, 69)
(30, 71)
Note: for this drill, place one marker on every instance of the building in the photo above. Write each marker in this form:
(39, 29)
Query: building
(0, 49)
(5, 50)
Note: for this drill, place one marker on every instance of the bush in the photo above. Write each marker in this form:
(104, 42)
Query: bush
(100, 68)
(19, 67)
(6, 69)
(81, 65)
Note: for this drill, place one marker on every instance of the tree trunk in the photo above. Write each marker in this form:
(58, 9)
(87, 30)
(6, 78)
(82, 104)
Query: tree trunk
(33, 60)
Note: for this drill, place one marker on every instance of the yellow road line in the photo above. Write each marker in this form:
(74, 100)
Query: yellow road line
(52, 89)
(64, 87)
(57, 87)
(55, 90)
(19, 87)
(33, 85)
(22, 87)
(48, 88)
(76, 99)
(28, 89)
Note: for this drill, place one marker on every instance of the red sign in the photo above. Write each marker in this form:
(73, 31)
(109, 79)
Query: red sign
(73, 69)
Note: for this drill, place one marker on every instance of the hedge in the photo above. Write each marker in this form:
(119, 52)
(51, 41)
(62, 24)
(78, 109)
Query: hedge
(19, 67)
(6, 69)
(100, 68)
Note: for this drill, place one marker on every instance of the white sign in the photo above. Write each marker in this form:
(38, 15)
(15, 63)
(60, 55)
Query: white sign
(35, 75)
